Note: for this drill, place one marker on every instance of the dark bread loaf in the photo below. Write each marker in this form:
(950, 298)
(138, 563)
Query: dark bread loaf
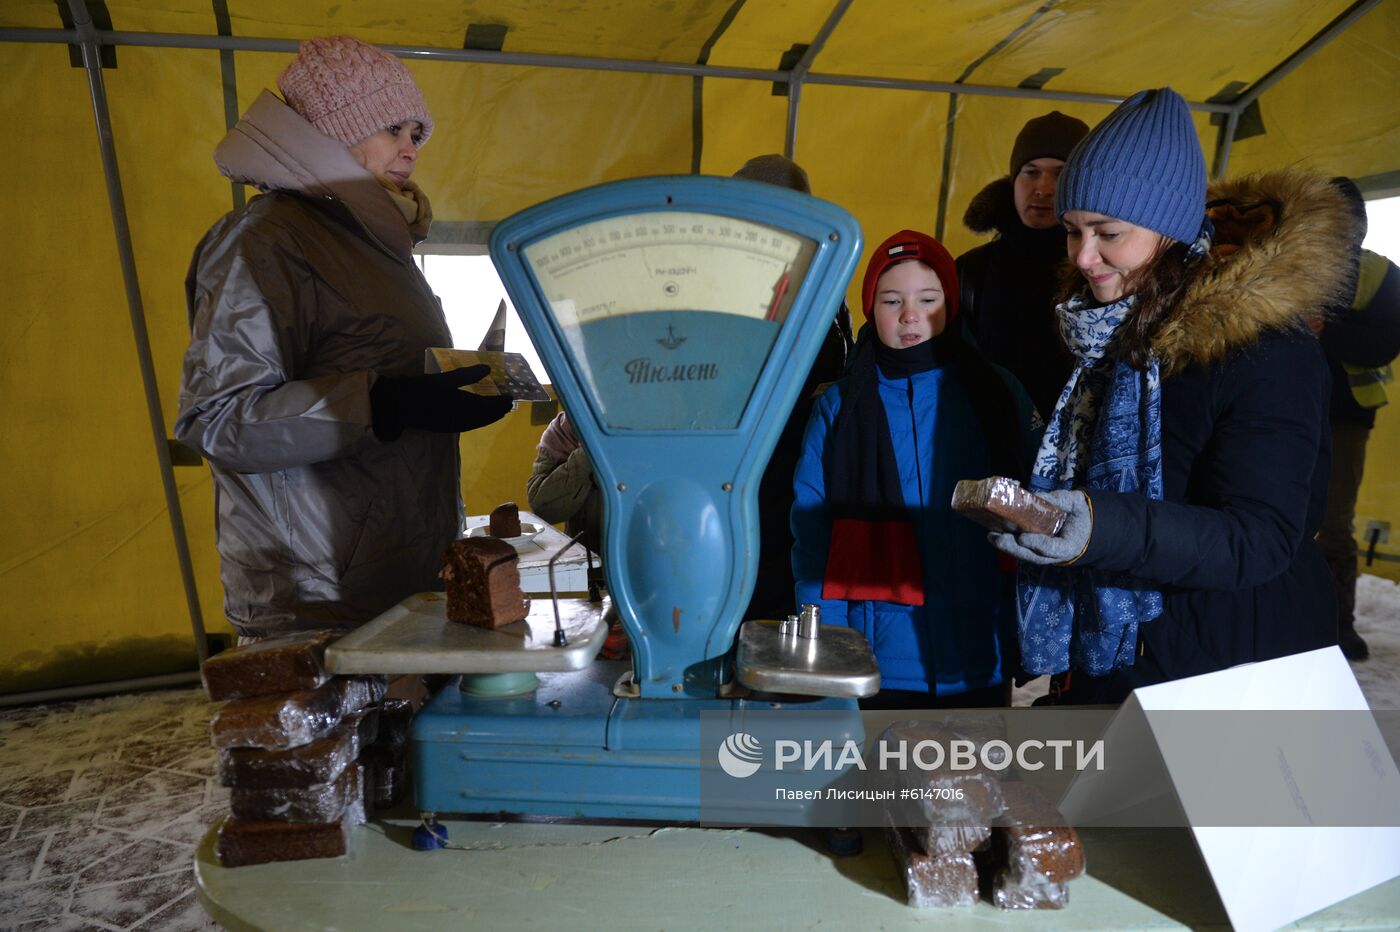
(931, 880)
(1002, 505)
(950, 804)
(284, 720)
(275, 665)
(319, 762)
(243, 842)
(483, 583)
(324, 802)
(505, 520)
(1035, 853)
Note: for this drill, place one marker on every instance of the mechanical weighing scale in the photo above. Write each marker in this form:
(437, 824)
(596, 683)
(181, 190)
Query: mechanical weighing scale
(677, 318)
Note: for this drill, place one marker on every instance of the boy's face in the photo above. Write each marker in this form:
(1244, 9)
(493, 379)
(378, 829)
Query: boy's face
(909, 306)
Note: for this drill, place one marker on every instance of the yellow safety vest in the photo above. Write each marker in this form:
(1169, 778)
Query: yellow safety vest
(1368, 385)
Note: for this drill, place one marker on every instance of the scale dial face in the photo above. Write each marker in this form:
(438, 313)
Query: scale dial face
(669, 261)
(671, 314)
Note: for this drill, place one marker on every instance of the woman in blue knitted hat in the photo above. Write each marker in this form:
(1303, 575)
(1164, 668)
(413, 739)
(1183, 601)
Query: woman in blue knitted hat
(1189, 445)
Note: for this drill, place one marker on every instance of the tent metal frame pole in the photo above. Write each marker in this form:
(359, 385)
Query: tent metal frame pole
(1289, 64)
(101, 115)
(799, 73)
(987, 90)
(176, 40)
(92, 690)
(1232, 121)
(237, 43)
(790, 133)
(1227, 139)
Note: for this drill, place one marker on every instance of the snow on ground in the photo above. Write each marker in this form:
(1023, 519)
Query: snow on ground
(1378, 621)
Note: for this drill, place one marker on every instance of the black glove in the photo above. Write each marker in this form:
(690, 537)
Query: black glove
(433, 402)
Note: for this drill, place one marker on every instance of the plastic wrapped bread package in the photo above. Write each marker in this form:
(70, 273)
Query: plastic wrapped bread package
(950, 804)
(1009, 895)
(358, 692)
(395, 722)
(952, 839)
(1035, 853)
(324, 802)
(285, 720)
(931, 880)
(1002, 505)
(355, 811)
(318, 762)
(385, 760)
(275, 665)
(240, 842)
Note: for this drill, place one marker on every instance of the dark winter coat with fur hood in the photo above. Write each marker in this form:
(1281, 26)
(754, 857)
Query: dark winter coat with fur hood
(1007, 299)
(1245, 453)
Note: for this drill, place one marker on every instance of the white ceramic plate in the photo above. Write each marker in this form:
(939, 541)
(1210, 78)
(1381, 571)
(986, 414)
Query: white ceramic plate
(528, 532)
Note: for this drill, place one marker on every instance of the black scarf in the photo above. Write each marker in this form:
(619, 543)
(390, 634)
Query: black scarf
(874, 553)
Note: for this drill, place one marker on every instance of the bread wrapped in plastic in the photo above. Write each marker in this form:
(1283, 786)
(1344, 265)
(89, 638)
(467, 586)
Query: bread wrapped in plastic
(931, 880)
(355, 811)
(1002, 505)
(952, 839)
(274, 665)
(240, 842)
(388, 778)
(386, 759)
(324, 802)
(358, 692)
(950, 802)
(318, 762)
(1035, 852)
(395, 722)
(1010, 895)
(285, 720)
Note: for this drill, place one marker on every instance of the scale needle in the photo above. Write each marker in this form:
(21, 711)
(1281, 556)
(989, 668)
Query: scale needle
(779, 290)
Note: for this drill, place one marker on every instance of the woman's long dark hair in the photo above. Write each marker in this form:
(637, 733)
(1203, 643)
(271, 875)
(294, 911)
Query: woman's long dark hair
(1159, 285)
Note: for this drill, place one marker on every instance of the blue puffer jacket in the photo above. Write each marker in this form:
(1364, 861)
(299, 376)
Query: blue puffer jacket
(955, 641)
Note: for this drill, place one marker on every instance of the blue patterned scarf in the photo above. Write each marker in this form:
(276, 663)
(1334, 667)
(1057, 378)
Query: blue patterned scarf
(1105, 433)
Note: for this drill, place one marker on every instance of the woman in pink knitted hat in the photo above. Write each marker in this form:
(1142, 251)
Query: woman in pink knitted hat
(335, 464)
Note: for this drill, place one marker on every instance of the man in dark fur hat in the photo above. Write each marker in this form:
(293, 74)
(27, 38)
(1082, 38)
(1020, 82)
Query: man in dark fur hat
(1009, 284)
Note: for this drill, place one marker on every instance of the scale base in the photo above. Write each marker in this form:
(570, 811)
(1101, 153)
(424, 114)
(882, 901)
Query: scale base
(572, 749)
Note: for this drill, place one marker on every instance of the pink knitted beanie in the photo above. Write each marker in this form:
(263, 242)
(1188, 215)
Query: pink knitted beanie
(350, 90)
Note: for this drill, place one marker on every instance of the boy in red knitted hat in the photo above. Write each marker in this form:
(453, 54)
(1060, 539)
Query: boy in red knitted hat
(878, 546)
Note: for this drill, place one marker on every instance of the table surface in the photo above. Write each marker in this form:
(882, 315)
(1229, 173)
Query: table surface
(541, 875)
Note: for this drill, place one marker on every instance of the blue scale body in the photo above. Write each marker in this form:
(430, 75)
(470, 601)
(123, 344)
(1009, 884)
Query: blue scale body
(680, 477)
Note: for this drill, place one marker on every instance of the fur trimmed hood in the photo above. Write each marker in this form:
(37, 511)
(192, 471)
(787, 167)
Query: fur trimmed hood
(993, 209)
(1280, 257)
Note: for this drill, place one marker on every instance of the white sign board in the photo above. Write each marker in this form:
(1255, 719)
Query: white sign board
(1307, 849)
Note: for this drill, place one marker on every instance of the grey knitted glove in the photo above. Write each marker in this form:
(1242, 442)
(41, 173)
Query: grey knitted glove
(1062, 549)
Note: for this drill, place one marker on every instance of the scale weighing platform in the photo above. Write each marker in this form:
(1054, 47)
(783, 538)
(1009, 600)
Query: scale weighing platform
(677, 318)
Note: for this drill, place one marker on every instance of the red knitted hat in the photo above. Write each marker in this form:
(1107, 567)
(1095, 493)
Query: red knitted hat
(905, 245)
(351, 90)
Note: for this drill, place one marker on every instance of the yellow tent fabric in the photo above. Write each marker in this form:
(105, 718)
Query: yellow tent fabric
(89, 577)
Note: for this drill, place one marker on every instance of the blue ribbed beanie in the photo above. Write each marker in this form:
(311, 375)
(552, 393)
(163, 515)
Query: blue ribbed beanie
(1142, 164)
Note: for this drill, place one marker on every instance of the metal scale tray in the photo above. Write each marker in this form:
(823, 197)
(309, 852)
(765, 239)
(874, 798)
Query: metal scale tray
(416, 637)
